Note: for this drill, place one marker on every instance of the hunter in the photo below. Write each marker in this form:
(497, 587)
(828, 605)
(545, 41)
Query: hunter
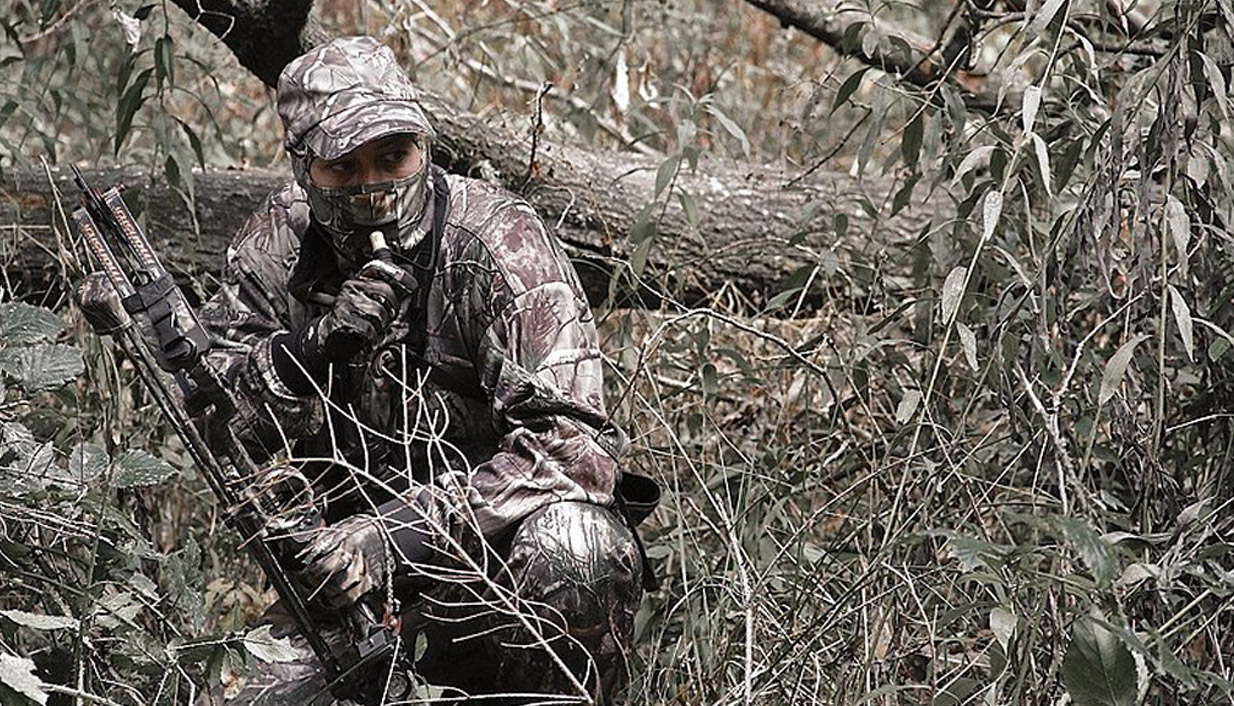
(441, 398)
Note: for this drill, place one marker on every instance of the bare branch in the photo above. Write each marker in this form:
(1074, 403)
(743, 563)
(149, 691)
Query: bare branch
(850, 29)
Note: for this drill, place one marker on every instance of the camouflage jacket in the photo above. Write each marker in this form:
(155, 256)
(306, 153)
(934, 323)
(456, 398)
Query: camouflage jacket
(490, 383)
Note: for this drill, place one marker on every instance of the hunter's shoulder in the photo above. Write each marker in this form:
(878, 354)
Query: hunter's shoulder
(488, 223)
(274, 230)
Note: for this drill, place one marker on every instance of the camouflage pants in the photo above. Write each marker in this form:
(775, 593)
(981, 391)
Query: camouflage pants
(570, 582)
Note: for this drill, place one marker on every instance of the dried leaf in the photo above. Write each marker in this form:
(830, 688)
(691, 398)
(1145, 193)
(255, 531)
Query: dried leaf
(968, 341)
(1216, 81)
(1028, 110)
(40, 622)
(1002, 624)
(17, 673)
(953, 292)
(908, 406)
(990, 211)
(1047, 13)
(1182, 315)
(129, 25)
(621, 85)
(1043, 161)
(1179, 224)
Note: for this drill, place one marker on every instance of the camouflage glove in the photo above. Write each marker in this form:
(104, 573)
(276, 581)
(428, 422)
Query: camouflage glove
(346, 560)
(363, 309)
(100, 303)
(365, 306)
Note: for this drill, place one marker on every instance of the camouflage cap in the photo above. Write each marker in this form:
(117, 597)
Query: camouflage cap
(345, 93)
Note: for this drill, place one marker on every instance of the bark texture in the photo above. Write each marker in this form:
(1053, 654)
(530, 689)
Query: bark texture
(747, 218)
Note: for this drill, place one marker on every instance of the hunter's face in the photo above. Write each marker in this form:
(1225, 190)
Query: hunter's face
(385, 159)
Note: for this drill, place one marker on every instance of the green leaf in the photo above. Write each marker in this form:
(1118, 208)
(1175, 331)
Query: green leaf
(957, 110)
(1098, 669)
(42, 366)
(731, 128)
(1112, 376)
(1094, 551)
(262, 645)
(21, 323)
(17, 673)
(25, 464)
(910, 145)
(1218, 348)
(1182, 315)
(130, 102)
(710, 379)
(638, 260)
(973, 553)
(137, 468)
(971, 161)
(644, 225)
(164, 59)
(87, 461)
(36, 621)
(421, 646)
(689, 208)
(116, 610)
(1066, 165)
(904, 194)
(850, 86)
(666, 172)
(194, 142)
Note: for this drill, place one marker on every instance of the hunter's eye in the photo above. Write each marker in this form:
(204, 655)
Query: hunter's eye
(395, 157)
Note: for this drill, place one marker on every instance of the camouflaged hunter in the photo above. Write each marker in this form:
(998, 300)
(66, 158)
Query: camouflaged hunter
(456, 440)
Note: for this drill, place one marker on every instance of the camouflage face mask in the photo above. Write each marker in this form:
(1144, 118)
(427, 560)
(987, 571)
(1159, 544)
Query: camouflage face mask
(349, 214)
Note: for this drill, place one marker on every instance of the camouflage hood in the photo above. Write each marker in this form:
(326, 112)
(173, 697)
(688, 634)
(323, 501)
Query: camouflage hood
(345, 93)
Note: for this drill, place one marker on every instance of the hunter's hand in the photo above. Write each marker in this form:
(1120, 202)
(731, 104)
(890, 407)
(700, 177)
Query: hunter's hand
(365, 306)
(345, 561)
(100, 303)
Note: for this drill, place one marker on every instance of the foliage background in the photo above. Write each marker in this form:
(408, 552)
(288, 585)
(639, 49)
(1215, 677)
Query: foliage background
(993, 466)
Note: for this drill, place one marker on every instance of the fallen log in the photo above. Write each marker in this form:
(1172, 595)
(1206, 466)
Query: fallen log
(751, 229)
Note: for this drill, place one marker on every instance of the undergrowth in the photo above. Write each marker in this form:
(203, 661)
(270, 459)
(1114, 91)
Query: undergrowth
(992, 466)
